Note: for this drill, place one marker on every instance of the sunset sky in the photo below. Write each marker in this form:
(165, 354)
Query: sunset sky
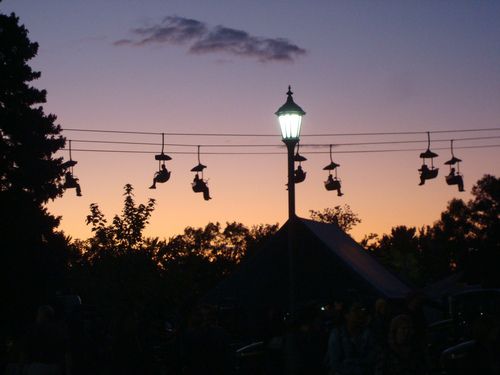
(224, 67)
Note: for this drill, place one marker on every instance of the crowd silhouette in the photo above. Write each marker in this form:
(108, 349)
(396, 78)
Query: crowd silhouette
(347, 337)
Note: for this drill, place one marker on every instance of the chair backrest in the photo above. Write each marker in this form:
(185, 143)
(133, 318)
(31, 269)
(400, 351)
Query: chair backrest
(332, 185)
(431, 173)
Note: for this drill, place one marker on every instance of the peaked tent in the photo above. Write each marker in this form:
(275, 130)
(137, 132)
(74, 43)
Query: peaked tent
(328, 263)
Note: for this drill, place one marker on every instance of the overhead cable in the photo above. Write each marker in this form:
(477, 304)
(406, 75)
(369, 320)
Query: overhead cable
(277, 145)
(280, 153)
(275, 135)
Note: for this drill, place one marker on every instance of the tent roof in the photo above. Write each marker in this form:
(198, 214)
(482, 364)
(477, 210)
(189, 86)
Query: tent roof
(328, 262)
(355, 257)
(328, 265)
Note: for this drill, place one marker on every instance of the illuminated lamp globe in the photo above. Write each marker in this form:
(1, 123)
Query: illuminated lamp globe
(290, 118)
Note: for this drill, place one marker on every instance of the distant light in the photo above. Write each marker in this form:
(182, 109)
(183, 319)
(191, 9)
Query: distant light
(290, 118)
(290, 125)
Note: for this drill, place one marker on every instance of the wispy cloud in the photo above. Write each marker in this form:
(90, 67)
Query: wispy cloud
(173, 29)
(201, 39)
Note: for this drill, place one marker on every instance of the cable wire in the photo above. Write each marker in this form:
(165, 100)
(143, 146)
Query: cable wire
(277, 145)
(274, 135)
(280, 153)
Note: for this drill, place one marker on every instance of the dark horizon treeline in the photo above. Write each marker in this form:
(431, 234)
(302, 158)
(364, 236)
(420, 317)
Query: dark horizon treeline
(120, 269)
(465, 239)
(133, 284)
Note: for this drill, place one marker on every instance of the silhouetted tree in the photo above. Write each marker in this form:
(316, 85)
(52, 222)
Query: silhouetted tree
(33, 256)
(125, 233)
(452, 236)
(435, 260)
(471, 232)
(369, 241)
(29, 138)
(466, 238)
(258, 235)
(118, 274)
(136, 282)
(400, 252)
(200, 257)
(118, 268)
(343, 216)
(485, 209)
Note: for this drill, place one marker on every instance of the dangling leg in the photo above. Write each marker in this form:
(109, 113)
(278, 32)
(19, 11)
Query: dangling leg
(206, 193)
(154, 184)
(422, 180)
(78, 190)
(460, 184)
(339, 193)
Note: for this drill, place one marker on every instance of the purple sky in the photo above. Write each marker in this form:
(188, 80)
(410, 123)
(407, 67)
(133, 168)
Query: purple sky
(224, 66)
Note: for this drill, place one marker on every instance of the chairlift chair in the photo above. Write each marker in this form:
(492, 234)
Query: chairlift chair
(199, 184)
(427, 173)
(332, 182)
(70, 180)
(299, 174)
(454, 177)
(163, 174)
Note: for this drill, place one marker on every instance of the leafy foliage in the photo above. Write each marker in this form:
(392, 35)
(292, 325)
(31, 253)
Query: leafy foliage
(121, 270)
(125, 231)
(33, 256)
(466, 238)
(400, 251)
(28, 137)
(340, 215)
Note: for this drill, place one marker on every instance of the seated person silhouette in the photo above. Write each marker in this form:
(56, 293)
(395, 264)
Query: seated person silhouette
(161, 176)
(333, 184)
(200, 186)
(299, 175)
(72, 182)
(424, 173)
(455, 179)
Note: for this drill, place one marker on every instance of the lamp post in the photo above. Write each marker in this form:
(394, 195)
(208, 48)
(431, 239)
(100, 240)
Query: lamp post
(290, 119)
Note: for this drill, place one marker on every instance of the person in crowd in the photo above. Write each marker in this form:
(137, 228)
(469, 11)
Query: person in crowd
(402, 355)
(380, 321)
(205, 346)
(414, 308)
(351, 347)
(45, 347)
(311, 339)
(484, 357)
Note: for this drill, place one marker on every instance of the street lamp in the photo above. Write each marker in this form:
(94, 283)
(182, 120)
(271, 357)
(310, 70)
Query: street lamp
(290, 119)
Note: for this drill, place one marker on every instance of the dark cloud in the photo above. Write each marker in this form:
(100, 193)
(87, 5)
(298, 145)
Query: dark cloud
(173, 29)
(123, 42)
(237, 42)
(178, 30)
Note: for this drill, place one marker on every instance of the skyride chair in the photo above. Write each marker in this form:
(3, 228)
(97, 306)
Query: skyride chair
(332, 182)
(454, 177)
(427, 173)
(163, 174)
